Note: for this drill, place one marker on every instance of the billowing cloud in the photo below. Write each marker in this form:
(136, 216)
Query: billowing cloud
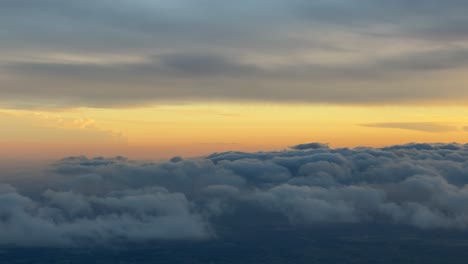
(116, 200)
(67, 218)
(314, 145)
(107, 54)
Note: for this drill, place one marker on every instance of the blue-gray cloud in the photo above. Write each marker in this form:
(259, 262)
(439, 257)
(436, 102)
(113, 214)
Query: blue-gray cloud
(106, 201)
(314, 145)
(112, 53)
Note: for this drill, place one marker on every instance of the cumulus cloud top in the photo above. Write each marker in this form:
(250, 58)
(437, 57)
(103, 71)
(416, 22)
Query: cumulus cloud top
(114, 200)
(314, 145)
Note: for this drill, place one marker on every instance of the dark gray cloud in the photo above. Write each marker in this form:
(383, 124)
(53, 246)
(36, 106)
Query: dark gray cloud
(106, 201)
(315, 145)
(113, 53)
(195, 76)
(445, 59)
(199, 64)
(421, 126)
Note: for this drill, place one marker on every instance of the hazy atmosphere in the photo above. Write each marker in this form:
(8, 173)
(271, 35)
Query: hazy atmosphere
(181, 131)
(160, 78)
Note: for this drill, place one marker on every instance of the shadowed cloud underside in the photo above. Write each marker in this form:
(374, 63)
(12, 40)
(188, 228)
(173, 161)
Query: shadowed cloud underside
(62, 54)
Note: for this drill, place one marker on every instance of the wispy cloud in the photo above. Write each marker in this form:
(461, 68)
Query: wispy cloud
(421, 126)
(40, 127)
(296, 51)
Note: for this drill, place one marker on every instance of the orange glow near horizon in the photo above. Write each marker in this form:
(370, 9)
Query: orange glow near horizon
(198, 129)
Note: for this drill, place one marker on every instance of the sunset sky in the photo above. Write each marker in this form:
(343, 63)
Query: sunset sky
(242, 131)
(155, 79)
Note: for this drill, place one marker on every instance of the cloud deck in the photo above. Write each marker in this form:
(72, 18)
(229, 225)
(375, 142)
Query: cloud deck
(114, 200)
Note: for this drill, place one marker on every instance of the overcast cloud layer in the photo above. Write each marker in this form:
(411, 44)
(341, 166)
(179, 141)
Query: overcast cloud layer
(79, 201)
(123, 53)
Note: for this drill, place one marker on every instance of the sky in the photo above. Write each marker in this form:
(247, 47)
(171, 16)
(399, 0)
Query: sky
(154, 79)
(250, 131)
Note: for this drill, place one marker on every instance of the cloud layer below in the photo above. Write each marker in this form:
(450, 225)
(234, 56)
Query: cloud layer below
(104, 201)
